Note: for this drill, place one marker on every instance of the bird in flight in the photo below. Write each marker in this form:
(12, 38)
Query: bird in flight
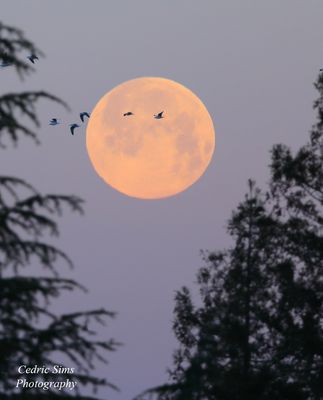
(84, 114)
(73, 127)
(53, 122)
(127, 114)
(159, 115)
(32, 58)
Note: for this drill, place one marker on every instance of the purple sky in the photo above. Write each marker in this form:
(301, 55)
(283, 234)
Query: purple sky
(252, 64)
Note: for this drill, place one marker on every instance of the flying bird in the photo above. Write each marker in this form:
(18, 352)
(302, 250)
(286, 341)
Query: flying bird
(128, 113)
(53, 122)
(84, 114)
(159, 115)
(32, 58)
(73, 127)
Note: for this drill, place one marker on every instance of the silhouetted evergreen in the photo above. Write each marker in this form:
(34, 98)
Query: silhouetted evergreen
(227, 348)
(297, 190)
(30, 332)
(257, 330)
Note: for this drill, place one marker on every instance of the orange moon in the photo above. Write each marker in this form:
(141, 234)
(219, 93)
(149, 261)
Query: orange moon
(144, 157)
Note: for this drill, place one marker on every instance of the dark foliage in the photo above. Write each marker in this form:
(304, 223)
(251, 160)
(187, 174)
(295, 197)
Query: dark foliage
(258, 330)
(297, 190)
(17, 107)
(30, 333)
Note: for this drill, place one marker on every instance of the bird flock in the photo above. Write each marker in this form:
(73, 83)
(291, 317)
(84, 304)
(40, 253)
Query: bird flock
(55, 121)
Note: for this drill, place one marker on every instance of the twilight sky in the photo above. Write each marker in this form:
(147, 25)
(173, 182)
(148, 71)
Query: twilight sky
(251, 63)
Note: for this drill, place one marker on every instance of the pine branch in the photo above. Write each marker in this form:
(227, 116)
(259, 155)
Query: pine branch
(12, 43)
(23, 104)
(30, 333)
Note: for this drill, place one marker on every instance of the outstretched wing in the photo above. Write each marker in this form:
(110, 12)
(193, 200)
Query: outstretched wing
(84, 114)
(32, 58)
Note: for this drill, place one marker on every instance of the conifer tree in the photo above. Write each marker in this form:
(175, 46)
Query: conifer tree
(257, 332)
(226, 344)
(297, 195)
(31, 333)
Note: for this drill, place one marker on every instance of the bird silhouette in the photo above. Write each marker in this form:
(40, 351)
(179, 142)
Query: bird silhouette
(53, 122)
(84, 114)
(128, 113)
(32, 58)
(159, 115)
(73, 127)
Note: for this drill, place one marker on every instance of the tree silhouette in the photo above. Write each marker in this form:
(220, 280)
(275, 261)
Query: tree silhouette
(257, 332)
(30, 333)
(297, 192)
(229, 338)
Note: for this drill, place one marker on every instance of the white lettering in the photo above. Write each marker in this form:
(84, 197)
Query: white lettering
(19, 369)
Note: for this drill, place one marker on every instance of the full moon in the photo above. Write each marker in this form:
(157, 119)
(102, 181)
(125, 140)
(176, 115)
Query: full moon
(145, 157)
